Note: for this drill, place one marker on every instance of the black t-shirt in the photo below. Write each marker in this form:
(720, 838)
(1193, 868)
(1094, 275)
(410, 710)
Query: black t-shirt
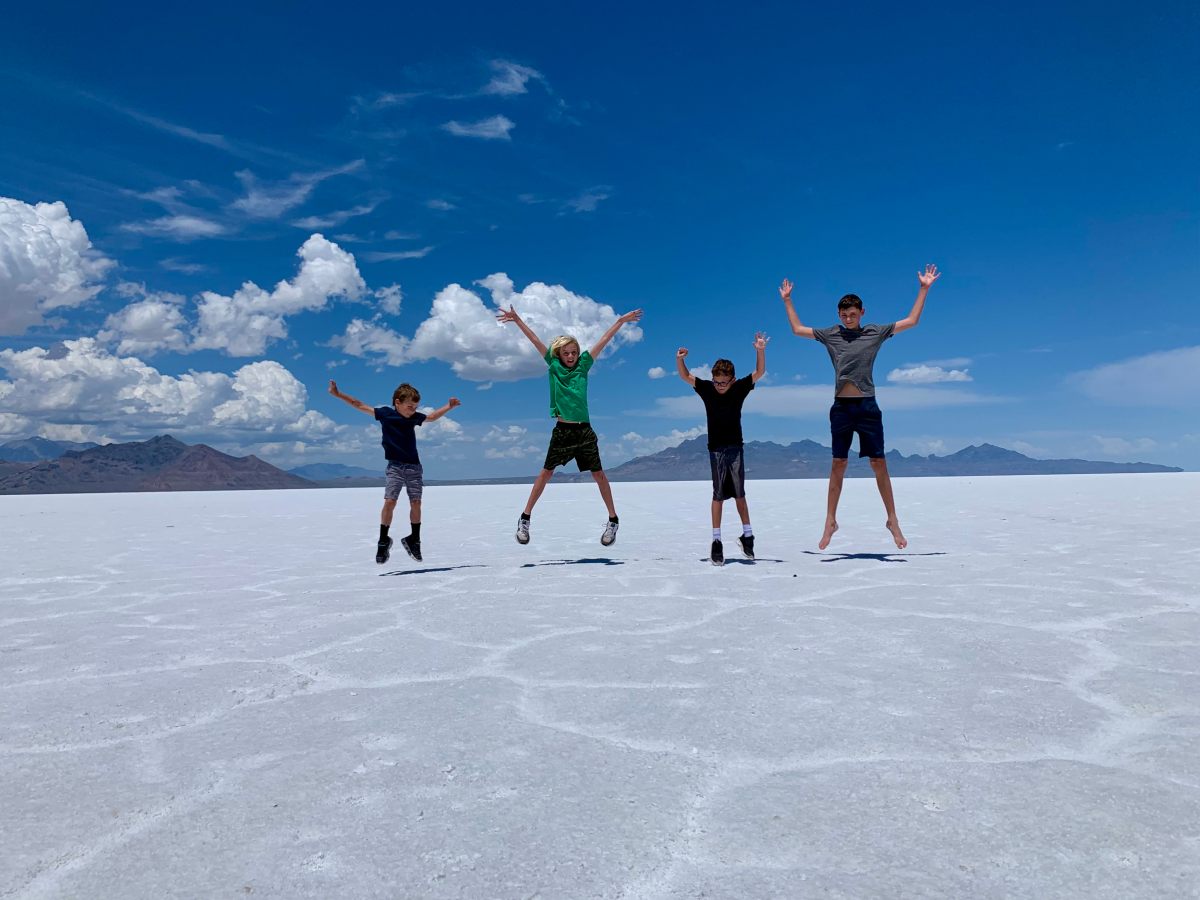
(724, 411)
(400, 434)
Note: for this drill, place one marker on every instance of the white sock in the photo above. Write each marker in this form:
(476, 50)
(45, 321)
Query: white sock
(716, 534)
(747, 531)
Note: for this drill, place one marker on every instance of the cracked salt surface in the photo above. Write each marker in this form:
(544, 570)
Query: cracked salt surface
(244, 704)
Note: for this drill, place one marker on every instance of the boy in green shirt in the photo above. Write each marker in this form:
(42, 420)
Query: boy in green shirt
(573, 437)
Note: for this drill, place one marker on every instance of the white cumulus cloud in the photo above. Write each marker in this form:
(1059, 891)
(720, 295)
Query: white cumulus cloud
(47, 262)
(373, 341)
(657, 372)
(81, 384)
(243, 325)
(151, 323)
(927, 374)
(462, 331)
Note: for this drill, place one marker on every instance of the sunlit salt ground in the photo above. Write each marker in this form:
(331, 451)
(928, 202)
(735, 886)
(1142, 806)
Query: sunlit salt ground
(222, 695)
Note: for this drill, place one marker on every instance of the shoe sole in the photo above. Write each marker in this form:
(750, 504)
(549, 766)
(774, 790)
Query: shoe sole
(408, 550)
(718, 562)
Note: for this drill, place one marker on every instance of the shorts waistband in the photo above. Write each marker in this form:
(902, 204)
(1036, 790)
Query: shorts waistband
(853, 400)
(572, 425)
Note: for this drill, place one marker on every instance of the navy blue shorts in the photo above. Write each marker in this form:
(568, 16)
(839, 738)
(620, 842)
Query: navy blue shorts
(851, 415)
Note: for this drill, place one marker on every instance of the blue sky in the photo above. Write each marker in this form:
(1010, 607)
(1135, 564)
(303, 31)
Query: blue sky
(208, 214)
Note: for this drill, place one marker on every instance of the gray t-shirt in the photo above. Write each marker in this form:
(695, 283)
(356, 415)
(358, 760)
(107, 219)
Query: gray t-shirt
(853, 353)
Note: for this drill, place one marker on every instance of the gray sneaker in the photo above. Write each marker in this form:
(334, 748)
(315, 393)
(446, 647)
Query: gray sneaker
(522, 530)
(610, 534)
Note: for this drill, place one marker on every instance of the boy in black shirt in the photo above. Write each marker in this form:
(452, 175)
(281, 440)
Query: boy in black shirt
(723, 398)
(399, 422)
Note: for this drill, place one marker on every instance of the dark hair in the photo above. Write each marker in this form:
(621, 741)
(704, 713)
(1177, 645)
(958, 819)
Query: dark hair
(405, 392)
(723, 367)
(850, 300)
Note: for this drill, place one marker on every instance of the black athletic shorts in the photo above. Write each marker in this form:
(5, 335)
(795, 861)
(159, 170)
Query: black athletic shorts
(856, 415)
(573, 441)
(728, 472)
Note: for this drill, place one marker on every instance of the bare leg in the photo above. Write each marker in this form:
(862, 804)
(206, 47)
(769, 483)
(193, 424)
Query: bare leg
(837, 474)
(414, 512)
(385, 515)
(743, 509)
(884, 482)
(605, 492)
(539, 485)
(717, 507)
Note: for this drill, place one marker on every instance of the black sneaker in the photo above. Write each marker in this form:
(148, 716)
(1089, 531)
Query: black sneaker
(412, 546)
(383, 551)
(747, 544)
(718, 554)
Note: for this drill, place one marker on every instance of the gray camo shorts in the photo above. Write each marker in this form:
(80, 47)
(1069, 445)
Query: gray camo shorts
(404, 475)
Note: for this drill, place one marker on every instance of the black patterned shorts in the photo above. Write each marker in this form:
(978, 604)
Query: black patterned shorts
(573, 441)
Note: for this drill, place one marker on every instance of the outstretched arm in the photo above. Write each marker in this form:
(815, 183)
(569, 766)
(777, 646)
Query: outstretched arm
(760, 359)
(357, 404)
(510, 315)
(441, 411)
(680, 356)
(616, 326)
(785, 291)
(927, 278)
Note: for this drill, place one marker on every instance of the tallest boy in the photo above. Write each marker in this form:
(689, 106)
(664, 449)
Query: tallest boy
(852, 347)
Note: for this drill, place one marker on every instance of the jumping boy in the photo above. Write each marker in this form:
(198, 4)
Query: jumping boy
(723, 398)
(852, 347)
(573, 437)
(399, 424)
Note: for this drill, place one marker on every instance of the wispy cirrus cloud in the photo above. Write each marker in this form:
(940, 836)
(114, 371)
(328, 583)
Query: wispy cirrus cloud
(587, 200)
(333, 219)
(510, 78)
(496, 128)
(1144, 380)
(181, 227)
(391, 255)
(265, 200)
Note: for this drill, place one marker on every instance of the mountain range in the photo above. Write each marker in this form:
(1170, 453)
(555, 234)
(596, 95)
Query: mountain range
(166, 464)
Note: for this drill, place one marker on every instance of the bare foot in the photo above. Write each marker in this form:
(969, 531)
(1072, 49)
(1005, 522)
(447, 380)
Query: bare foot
(897, 534)
(827, 536)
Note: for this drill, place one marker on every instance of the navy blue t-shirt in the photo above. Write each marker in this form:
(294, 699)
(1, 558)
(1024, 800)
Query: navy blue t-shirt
(399, 434)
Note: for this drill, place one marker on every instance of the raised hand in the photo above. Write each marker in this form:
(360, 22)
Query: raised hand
(333, 389)
(681, 353)
(632, 316)
(785, 290)
(454, 401)
(507, 315)
(760, 341)
(929, 276)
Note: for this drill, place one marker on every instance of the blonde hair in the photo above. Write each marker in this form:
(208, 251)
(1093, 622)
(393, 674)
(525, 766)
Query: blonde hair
(405, 392)
(563, 340)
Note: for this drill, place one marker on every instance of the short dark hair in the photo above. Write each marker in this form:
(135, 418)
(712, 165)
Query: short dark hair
(405, 392)
(850, 300)
(723, 367)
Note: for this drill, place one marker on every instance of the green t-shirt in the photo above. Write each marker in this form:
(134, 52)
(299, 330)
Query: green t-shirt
(568, 387)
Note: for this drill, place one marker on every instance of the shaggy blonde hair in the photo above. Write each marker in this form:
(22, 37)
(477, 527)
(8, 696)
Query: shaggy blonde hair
(563, 340)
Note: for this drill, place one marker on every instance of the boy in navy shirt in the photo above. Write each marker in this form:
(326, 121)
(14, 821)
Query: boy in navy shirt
(723, 398)
(399, 423)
